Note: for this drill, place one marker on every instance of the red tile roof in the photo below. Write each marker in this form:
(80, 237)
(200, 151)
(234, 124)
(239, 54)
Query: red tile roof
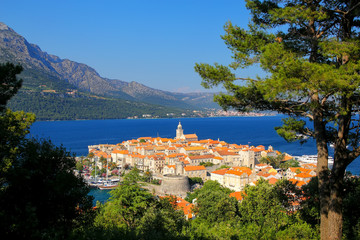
(190, 135)
(273, 180)
(202, 156)
(225, 153)
(221, 171)
(238, 195)
(194, 168)
(297, 182)
(304, 175)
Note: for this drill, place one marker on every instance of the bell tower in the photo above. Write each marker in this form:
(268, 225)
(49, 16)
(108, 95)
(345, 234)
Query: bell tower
(179, 132)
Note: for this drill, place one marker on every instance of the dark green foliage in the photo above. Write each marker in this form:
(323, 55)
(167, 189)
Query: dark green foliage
(84, 105)
(162, 221)
(40, 197)
(287, 193)
(310, 207)
(263, 214)
(351, 208)
(223, 166)
(36, 80)
(206, 164)
(279, 162)
(43, 198)
(13, 128)
(53, 106)
(13, 125)
(146, 176)
(216, 206)
(64, 106)
(292, 129)
(133, 213)
(264, 211)
(262, 208)
(127, 205)
(310, 211)
(213, 202)
(195, 180)
(156, 181)
(9, 84)
(79, 166)
(97, 171)
(275, 162)
(291, 163)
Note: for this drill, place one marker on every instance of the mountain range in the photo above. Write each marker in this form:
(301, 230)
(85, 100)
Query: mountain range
(51, 83)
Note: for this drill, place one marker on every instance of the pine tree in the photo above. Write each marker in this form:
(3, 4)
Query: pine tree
(310, 52)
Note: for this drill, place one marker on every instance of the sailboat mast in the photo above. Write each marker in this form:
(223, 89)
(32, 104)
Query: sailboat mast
(107, 167)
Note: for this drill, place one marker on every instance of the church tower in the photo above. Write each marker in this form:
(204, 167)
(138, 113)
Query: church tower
(179, 132)
(179, 168)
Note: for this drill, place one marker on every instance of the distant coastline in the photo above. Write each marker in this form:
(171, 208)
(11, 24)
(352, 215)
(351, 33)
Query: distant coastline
(129, 118)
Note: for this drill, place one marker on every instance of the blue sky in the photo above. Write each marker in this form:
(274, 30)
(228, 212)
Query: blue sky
(153, 42)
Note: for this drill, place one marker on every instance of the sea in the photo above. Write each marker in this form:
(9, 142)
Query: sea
(77, 135)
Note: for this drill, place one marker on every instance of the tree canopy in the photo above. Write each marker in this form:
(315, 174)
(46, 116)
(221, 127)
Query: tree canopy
(43, 198)
(13, 125)
(40, 197)
(10, 84)
(134, 213)
(309, 51)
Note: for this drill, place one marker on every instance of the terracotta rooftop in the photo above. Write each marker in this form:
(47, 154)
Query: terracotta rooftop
(190, 135)
(194, 168)
(225, 153)
(273, 180)
(221, 171)
(297, 182)
(238, 195)
(304, 175)
(201, 156)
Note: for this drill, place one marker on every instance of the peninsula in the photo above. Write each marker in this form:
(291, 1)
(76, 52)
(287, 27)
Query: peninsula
(169, 160)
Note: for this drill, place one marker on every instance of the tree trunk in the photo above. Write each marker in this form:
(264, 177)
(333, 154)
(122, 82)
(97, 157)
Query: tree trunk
(322, 171)
(341, 159)
(335, 219)
(324, 194)
(336, 193)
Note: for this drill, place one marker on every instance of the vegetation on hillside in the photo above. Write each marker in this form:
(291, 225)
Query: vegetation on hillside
(49, 98)
(61, 106)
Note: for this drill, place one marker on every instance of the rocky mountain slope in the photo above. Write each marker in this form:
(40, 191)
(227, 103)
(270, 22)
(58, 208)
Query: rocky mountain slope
(66, 74)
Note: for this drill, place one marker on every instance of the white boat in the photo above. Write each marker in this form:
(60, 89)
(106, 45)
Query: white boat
(115, 180)
(95, 184)
(313, 159)
(108, 185)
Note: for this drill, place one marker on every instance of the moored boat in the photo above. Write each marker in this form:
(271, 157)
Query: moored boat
(313, 159)
(108, 185)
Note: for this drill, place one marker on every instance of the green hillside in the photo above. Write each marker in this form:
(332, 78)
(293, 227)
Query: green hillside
(59, 106)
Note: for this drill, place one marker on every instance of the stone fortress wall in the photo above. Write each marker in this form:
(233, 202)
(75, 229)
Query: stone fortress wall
(175, 185)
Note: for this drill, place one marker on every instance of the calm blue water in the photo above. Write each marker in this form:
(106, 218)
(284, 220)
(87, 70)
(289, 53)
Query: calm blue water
(100, 195)
(77, 135)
